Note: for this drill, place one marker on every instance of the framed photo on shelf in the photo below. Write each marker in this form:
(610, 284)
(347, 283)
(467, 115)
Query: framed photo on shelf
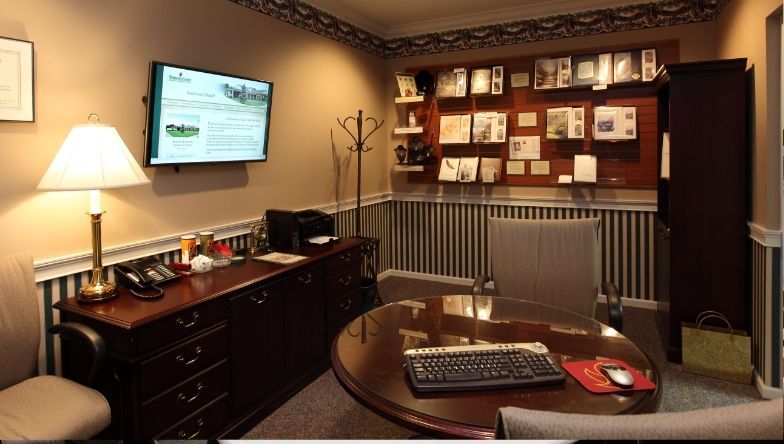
(16, 80)
(454, 128)
(489, 127)
(498, 80)
(490, 169)
(546, 73)
(566, 73)
(467, 170)
(448, 171)
(622, 67)
(648, 64)
(627, 67)
(615, 123)
(406, 83)
(585, 70)
(451, 83)
(481, 79)
(558, 123)
(577, 123)
(605, 74)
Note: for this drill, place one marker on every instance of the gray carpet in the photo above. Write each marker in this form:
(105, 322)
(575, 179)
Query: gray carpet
(323, 409)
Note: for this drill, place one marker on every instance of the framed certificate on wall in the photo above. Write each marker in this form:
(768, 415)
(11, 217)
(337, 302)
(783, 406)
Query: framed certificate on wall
(16, 80)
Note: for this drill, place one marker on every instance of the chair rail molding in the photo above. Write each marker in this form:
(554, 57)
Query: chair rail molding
(521, 201)
(764, 236)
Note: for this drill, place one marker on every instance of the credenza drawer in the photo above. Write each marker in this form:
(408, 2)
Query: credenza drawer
(181, 325)
(345, 308)
(202, 424)
(340, 260)
(182, 400)
(342, 282)
(305, 280)
(182, 362)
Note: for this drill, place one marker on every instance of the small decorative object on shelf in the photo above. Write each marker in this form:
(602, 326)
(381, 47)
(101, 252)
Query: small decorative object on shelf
(401, 152)
(411, 119)
(405, 81)
(425, 83)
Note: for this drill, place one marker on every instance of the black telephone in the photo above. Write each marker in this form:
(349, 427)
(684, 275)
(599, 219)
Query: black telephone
(141, 274)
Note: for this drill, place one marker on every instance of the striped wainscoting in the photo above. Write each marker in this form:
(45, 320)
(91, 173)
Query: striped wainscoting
(451, 239)
(766, 334)
(376, 223)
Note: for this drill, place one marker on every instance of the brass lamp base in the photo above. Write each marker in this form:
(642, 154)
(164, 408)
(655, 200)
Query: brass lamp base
(97, 290)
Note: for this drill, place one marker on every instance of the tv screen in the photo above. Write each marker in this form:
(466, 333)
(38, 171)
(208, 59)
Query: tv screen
(199, 116)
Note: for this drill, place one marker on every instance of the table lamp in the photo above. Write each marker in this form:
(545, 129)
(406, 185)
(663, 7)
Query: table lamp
(93, 157)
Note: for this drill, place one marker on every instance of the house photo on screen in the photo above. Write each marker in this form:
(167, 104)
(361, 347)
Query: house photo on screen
(199, 116)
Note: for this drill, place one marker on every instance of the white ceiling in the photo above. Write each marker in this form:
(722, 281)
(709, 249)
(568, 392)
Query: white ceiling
(399, 18)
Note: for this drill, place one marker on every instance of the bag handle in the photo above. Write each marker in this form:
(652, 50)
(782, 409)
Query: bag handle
(712, 314)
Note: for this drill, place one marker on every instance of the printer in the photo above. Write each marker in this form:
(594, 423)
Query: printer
(289, 229)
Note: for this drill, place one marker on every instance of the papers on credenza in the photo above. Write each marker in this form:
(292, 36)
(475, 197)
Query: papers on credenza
(665, 159)
(320, 240)
(584, 168)
(280, 258)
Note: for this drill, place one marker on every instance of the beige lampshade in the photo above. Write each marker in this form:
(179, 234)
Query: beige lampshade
(92, 157)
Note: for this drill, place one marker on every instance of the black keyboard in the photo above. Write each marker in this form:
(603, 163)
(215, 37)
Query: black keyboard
(481, 367)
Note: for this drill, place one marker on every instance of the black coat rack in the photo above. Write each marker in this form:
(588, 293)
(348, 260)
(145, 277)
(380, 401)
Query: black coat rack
(359, 147)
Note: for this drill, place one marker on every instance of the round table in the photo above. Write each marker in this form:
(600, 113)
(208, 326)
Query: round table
(367, 357)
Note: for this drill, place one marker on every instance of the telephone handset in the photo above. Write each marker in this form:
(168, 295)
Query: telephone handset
(142, 274)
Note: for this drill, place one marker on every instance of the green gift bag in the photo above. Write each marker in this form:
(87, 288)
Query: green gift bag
(721, 353)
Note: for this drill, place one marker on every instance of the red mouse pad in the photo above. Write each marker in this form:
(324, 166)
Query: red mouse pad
(590, 375)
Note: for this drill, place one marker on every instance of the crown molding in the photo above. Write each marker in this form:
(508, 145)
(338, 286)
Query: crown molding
(595, 21)
(542, 8)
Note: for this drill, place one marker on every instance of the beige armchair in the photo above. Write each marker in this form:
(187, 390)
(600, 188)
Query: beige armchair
(754, 420)
(42, 407)
(554, 262)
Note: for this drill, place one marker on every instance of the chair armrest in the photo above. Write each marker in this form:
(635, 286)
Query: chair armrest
(91, 339)
(614, 306)
(479, 285)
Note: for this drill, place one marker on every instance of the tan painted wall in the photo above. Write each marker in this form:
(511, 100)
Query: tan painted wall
(92, 56)
(696, 43)
(741, 32)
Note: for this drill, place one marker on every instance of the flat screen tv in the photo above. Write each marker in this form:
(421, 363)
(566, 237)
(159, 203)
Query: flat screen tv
(199, 116)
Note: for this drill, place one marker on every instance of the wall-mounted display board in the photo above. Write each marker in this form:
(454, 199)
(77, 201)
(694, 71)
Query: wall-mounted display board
(620, 161)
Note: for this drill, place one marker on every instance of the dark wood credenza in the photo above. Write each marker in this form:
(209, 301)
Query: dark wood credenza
(220, 350)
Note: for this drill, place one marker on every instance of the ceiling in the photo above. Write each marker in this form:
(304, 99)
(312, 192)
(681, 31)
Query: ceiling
(400, 18)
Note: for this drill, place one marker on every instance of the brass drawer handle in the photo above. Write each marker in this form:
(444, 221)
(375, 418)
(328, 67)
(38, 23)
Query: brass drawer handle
(345, 257)
(181, 358)
(345, 305)
(262, 299)
(346, 282)
(306, 279)
(194, 317)
(183, 435)
(182, 398)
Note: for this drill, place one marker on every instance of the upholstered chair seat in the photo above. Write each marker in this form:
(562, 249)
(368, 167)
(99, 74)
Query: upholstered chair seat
(754, 420)
(42, 407)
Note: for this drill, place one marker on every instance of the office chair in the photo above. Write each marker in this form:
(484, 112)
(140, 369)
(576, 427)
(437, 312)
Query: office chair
(554, 262)
(754, 420)
(42, 407)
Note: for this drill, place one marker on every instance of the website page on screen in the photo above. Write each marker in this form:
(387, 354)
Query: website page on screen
(205, 117)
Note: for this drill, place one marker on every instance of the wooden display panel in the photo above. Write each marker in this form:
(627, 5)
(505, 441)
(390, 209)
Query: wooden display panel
(631, 163)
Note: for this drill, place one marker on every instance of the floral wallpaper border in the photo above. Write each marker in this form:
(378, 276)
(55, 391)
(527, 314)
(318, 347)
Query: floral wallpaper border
(625, 18)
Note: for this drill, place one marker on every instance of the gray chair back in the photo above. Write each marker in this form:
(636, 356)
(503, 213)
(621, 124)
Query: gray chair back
(20, 324)
(754, 420)
(554, 262)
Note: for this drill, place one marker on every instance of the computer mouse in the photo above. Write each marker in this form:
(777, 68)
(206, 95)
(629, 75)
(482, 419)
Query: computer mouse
(618, 375)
